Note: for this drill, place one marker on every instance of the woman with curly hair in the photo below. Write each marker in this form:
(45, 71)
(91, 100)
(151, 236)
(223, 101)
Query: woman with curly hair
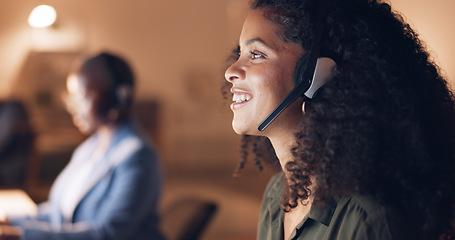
(371, 155)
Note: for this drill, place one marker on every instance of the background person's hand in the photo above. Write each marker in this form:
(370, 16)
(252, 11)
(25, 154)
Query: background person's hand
(9, 232)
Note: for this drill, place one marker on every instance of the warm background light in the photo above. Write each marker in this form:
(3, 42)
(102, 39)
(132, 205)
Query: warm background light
(178, 50)
(42, 16)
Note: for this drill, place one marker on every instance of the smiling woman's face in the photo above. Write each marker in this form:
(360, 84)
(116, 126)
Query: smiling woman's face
(262, 76)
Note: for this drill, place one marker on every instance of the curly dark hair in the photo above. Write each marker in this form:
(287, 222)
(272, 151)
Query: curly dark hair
(384, 125)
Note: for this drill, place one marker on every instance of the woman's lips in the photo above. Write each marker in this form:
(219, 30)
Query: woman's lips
(240, 97)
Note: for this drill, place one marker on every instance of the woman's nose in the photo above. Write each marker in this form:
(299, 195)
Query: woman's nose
(234, 72)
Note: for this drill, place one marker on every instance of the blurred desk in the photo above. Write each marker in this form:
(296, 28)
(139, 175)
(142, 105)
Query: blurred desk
(15, 202)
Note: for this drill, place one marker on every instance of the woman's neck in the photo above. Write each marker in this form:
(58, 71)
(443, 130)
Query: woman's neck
(283, 145)
(282, 134)
(105, 133)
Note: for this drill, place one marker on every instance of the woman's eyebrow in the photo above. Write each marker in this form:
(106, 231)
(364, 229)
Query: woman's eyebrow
(251, 41)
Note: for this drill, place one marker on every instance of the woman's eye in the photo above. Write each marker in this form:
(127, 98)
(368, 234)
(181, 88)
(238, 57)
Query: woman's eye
(255, 55)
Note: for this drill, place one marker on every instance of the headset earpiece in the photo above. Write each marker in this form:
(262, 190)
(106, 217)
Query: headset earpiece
(122, 94)
(322, 74)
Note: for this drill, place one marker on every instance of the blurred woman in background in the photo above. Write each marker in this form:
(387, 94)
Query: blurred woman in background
(112, 185)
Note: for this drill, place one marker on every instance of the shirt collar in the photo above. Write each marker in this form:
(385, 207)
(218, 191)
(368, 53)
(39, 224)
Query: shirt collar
(323, 213)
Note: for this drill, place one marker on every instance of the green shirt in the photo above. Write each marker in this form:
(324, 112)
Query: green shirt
(345, 218)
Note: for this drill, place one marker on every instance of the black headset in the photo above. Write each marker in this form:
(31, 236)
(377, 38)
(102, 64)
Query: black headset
(312, 71)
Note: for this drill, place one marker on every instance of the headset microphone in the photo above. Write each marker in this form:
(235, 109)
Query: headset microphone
(311, 73)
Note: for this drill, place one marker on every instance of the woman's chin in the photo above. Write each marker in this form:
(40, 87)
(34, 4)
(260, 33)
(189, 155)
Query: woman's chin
(243, 129)
(238, 128)
(83, 128)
